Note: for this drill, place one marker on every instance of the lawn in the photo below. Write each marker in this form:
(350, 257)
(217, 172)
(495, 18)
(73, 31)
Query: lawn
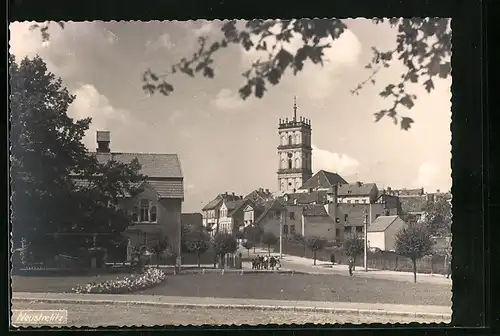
(302, 287)
(58, 284)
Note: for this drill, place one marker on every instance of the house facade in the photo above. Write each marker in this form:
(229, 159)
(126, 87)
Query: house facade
(156, 210)
(211, 211)
(382, 232)
(359, 192)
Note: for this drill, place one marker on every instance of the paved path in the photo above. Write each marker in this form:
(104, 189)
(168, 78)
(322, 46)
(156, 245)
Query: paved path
(417, 311)
(306, 265)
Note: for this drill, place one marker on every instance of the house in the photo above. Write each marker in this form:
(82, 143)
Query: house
(156, 210)
(232, 215)
(194, 219)
(251, 212)
(358, 192)
(211, 211)
(278, 216)
(318, 222)
(321, 181)
(382, 232)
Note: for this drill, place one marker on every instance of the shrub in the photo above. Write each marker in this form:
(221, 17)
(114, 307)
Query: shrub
(149, 278)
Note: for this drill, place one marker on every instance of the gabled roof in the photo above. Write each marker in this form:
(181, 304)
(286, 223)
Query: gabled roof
(314, 210)
(356, 189)
(323, 180)
(317, 196)
(381, 223)
(217, 201)
(152, 165)
(260, 196)
(274, 205)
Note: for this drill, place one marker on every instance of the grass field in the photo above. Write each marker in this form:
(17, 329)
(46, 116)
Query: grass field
(334, 288)
(80, 315)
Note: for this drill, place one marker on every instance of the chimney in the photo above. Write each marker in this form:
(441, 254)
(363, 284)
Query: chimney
(233, 194)
(267, 191)
(241, 197)
(359, 183)
(103, 140)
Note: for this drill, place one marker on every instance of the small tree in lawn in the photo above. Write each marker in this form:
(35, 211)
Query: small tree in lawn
(159, 248)
(253, 233)
(269, 239)
(316, 244)
(224, 243)
(414, 242)
(248, 245)
(198, 242)
(353, 247)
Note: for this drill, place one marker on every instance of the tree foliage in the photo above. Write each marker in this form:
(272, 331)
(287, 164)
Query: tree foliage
(248, 244)
(159, 248)
(438, 216)
(224, 243)
(269, 239)
(58, 188)
(253, 233)
(423, 46)
(316, 244)
(414, 242)
(198, 242)
(353, 246)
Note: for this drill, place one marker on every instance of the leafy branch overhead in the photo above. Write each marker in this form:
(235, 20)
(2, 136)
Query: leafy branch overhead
(423, 46)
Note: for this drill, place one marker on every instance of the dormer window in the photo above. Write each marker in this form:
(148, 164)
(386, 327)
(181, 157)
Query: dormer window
(153, 213)
(146, 212)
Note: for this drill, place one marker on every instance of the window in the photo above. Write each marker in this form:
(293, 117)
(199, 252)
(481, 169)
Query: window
(135, 214)
(292, 229)
(285, 229)
(337, 232)
(290, 165)
(345, 217)
(337, 220)
(347, 229)
(348, 201)
(144, 215)
(153, 213)
(356, 201)
(359, 229)
(277, 215)
(292, 215)
(290, 141)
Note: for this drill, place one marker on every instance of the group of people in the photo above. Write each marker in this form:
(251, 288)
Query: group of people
(264, 262)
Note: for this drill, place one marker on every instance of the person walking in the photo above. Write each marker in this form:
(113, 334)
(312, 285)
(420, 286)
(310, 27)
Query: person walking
(332, 258)
(351, 265)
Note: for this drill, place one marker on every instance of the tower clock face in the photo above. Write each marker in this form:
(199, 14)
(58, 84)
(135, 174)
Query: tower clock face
(290, 155)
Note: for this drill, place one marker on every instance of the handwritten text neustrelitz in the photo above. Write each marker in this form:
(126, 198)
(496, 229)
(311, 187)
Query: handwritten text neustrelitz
(39, 317)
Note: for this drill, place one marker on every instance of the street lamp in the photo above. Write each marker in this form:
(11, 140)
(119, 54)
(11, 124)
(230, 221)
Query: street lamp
(368, 217)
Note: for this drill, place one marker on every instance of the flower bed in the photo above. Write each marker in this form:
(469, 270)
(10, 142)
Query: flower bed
(149, 278)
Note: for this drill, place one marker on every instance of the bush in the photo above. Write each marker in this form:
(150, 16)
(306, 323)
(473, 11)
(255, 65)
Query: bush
(149, 278)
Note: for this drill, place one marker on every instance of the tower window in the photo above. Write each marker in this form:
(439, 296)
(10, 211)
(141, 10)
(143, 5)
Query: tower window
(290, 141)
(289, 163)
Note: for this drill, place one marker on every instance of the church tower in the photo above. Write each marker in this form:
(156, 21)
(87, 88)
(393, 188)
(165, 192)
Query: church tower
(294, 152)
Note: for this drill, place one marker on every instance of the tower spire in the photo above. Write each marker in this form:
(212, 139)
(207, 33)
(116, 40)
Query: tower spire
(294, 108)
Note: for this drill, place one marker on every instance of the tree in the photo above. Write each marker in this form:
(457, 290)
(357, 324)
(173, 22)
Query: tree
(316, 244)
(414, 242)
(269, 239)
(224, 243)
(58, 188)
(438, 217)
(253, 233)
(248, 244)
(353, 247)
(299, 239)
(159, 248)
(423, 46)
(198, 242)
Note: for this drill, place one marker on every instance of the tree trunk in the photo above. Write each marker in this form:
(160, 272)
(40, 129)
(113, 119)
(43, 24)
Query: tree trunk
(198, 258)
(314, 256)
(269, 250)
(414, 261)
(248, 253)
(254, 250)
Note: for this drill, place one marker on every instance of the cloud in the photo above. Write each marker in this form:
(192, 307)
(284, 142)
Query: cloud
(204, 27)
(91, 103)
(316, 81)
(428, 175)
(325, 160)
(163, 42)
(175, 117)
(227, 99)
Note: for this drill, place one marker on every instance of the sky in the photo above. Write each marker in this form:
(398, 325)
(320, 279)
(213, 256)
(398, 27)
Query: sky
(225, 143)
